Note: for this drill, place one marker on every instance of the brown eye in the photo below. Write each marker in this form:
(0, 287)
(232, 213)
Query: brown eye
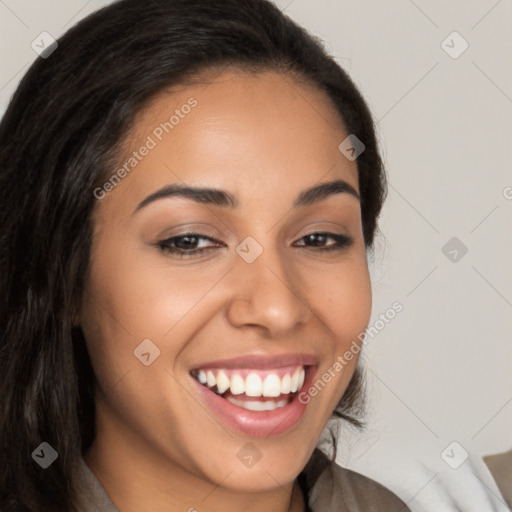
(319, 240)
(186, 244)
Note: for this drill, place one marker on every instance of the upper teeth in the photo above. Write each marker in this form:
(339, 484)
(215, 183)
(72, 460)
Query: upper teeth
(254, 384)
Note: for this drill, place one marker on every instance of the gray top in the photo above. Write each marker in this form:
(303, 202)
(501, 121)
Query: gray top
(336, 490)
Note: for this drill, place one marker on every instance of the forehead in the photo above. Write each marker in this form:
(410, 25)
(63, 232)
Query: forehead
(238, 131)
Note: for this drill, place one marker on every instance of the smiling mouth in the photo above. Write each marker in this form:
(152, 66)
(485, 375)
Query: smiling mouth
(252, 389)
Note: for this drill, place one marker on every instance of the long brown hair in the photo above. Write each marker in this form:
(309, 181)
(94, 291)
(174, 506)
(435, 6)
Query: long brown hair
(59, 136)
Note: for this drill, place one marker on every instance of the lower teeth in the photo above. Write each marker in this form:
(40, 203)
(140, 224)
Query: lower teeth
(257, 406)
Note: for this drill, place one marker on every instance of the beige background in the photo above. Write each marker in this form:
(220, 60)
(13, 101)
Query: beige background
(441, 370)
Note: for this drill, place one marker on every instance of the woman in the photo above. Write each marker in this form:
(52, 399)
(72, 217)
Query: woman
(189, 191)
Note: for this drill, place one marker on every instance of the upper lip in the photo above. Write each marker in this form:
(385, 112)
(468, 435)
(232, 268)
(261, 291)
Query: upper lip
(262, 362)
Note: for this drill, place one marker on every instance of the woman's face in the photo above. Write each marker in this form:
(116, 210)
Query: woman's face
(260, 308)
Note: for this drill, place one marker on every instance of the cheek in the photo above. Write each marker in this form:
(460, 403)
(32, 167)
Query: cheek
(342, 298)
(145, 296)
(134, 295)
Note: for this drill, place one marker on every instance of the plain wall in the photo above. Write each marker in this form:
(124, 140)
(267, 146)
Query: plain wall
(441, 369)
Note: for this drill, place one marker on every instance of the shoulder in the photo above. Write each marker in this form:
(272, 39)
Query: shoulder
(500, 466)
(91, 495)
(338, 488)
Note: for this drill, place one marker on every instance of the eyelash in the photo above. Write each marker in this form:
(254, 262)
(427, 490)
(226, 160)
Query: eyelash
(341, 242)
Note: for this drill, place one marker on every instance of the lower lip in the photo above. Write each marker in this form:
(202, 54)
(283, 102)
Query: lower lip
(256, 423)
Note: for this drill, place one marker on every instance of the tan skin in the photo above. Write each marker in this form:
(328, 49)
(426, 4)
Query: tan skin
(264, 138)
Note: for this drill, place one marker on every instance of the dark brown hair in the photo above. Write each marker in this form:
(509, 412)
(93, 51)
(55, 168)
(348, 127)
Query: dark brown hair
(58, 138)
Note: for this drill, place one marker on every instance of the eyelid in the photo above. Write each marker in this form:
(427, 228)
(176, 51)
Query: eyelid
(192, 234)
(165, 244)
(188, 228)
(341, 240)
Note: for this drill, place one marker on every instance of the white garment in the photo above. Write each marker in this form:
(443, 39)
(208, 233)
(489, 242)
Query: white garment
(469, 488)
(433, 486)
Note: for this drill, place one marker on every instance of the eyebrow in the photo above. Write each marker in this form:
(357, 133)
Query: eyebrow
(217, 197)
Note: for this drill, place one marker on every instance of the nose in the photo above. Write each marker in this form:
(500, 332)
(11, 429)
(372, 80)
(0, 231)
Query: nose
(267, 294)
